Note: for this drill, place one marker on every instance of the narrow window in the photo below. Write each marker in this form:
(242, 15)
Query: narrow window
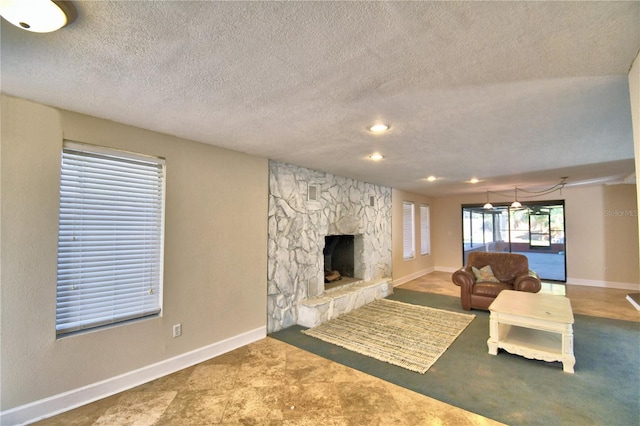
(408, 230)
(110, 237)
(425, 232)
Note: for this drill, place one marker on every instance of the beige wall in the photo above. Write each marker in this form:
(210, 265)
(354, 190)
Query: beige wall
(405, 270)
(215, 247)
(621, 234)
(634, 97)
(602, 232)
(215, 253)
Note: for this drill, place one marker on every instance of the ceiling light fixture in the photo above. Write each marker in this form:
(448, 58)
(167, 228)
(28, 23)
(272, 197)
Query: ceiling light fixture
(432, 178)
(488, 205)
(516, 204)
(531, 194)
(379, 128)
(474, 180)
(38, 16)
(376, 157)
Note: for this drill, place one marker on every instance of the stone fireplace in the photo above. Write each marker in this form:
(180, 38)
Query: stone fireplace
(307, 208)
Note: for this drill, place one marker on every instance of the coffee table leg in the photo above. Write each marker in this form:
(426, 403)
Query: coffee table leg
(492, 343)
(568, 359)
(568, 363)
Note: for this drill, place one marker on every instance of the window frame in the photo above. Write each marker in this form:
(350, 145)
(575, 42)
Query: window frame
(101, 213)
(425, 230)
(408, 230)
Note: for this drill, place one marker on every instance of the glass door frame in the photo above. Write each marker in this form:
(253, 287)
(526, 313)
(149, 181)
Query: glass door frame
(515, 233)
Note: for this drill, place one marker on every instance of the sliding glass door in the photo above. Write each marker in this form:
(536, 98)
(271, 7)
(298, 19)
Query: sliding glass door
(536, 230)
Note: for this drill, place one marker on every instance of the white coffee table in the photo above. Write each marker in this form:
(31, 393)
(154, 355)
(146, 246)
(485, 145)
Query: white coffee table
(533, 325)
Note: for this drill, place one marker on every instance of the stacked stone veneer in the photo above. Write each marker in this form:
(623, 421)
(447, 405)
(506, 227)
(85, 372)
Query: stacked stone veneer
(297, 227)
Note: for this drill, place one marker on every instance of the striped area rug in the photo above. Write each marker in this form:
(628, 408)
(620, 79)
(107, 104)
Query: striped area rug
(409, 336)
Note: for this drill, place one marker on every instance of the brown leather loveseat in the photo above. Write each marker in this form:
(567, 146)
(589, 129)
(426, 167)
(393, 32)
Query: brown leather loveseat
(480, 285)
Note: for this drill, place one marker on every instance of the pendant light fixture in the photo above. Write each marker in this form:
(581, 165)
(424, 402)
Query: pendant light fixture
(38, 16)
(528, 193)
(488, 205)
(516, 204)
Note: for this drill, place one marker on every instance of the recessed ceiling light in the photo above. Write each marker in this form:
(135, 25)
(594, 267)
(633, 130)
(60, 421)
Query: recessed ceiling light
(474, 180)
(38, 16)
(431, 178)
(376, 157)
(379, 128)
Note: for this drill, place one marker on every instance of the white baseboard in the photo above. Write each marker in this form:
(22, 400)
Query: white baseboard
(631, 300)
(570, 281)
(605, 284)
(407, 278)
(447, 269)
(66, 401)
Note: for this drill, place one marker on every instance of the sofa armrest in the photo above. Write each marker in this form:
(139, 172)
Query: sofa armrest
(464, 279)
(530, 283)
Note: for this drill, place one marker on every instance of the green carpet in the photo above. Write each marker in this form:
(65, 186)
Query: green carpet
(605, 389)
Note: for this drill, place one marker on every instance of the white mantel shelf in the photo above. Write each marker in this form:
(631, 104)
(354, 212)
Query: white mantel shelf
(335, 302)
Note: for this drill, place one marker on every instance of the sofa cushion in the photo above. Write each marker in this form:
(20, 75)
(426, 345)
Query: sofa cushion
(489, 289)
(484, 274)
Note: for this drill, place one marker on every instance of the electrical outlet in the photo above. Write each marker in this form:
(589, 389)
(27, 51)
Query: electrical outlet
(177, 330)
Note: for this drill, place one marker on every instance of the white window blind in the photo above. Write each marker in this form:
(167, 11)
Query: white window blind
(110, 238)
(408, 231)
(425, 232)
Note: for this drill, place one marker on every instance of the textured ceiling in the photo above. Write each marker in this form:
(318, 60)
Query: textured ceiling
(513, 93)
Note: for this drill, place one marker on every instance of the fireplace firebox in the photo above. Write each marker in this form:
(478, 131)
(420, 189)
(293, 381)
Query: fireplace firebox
(339, 260)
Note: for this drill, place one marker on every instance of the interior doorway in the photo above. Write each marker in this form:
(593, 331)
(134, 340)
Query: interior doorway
(536, 230)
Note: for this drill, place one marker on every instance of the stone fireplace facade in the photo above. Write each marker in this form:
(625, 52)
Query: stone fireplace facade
(304, 207)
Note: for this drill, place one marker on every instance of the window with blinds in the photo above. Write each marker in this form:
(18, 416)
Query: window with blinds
(425, 232)
(110, 238)
(408, 231)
